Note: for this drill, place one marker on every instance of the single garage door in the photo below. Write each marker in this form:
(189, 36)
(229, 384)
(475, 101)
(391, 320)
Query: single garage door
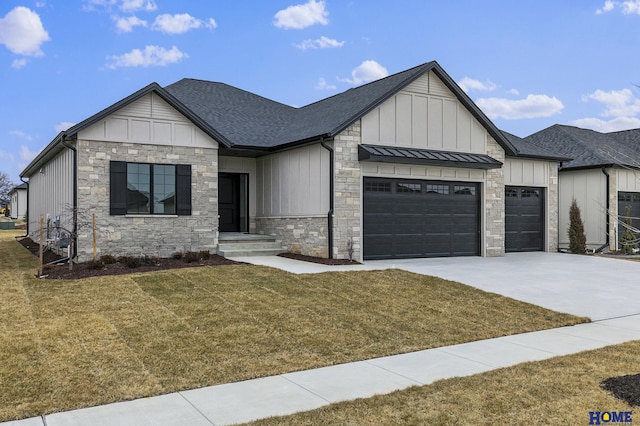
(628, 201)
(524, 219)
(413, 218)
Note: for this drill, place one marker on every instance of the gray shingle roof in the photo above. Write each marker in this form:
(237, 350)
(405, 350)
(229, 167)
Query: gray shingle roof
(251, 121)
(590, 148)
(530, 149)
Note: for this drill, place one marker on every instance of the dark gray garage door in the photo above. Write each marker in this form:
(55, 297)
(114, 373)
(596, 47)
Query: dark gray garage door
(524, 219)
(632, 200)
(412, 218)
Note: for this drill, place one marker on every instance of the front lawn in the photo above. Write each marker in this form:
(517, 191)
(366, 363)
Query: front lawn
(72, 344)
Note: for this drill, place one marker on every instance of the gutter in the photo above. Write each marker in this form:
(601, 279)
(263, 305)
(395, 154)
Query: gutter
(74, 236)
(331, 201)
(608, 205)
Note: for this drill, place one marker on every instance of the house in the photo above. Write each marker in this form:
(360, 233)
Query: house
(603, 177)
(405, 166)
(18, 204)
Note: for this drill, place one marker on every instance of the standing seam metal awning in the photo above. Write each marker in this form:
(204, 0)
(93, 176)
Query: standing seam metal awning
(390, 154)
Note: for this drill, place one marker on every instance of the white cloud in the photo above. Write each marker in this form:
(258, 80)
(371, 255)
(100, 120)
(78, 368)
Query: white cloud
(177, 24)
(621, 110)
(366, 72)
(629, 7)
(19, 63)
(26, 154)
(302, 15)
(134, 5)
(151, 56)
(61, 127)
(618, 103)
(41, 3)
(21, 31)
(320, 43)
(323, 85)
(212, 24)
(126, 25)
(470, 84)
(608, 7)
(20, 134)
(533, 106)
(605, 126)
(123, 5)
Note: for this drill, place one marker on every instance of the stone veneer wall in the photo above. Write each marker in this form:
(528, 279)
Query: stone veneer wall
(348, 187)
(494, 203)
(137, 235)
(302, 235)
(552, 211)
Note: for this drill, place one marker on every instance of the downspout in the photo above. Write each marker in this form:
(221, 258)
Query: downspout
(75, 196)
(331, 201)
(608, 205)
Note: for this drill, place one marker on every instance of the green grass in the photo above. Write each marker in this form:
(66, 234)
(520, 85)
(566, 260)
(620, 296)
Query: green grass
(72, 344)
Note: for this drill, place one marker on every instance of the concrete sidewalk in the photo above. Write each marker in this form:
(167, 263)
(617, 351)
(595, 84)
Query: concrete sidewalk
(306, 390)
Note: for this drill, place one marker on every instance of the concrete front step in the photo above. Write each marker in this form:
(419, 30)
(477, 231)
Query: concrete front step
(248, 245)
(234, 245)
(249, 252)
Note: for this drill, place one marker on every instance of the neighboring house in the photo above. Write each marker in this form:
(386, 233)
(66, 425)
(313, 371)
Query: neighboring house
(18, 205)
(603, 177)
(405, 166)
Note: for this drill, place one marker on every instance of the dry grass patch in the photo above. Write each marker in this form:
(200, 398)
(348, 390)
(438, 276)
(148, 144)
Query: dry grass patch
(558, 391)
(71, 344)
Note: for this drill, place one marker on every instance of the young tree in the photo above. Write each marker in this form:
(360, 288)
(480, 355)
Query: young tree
(628, 240)
(577, 238)
(6, 185)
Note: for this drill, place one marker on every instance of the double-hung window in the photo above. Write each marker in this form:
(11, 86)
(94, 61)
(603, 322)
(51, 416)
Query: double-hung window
(151, 189)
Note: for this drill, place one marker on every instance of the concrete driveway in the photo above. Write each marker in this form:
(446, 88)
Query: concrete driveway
(591, 286)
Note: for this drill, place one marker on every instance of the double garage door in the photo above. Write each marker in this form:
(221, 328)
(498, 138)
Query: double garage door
(411, 218)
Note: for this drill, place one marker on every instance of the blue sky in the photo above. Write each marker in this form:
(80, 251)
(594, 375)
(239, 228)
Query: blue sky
(528, 64)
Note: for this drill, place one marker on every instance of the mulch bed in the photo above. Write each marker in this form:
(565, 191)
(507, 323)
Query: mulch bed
(320, 260)
(626, 388)
(89, 269)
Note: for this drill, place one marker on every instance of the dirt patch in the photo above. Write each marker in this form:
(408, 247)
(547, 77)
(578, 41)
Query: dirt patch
(626, 388)
(97, 269)
(320, 260)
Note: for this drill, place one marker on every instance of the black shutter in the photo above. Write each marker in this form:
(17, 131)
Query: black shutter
(117, 188)
(183, 189)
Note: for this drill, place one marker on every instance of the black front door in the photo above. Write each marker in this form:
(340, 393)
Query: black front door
(229, 202)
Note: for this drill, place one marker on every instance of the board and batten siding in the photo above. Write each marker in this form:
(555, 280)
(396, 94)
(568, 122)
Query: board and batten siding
(520, 172)
(427, 115)
(293, 183)
(51, 193)
(148, 120)
(628, 180)
(589, 188)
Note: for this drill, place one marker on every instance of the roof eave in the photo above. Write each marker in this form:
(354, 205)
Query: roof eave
(43, 157)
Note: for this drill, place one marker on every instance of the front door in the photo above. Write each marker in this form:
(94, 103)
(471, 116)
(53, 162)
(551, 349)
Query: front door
(229, 202)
